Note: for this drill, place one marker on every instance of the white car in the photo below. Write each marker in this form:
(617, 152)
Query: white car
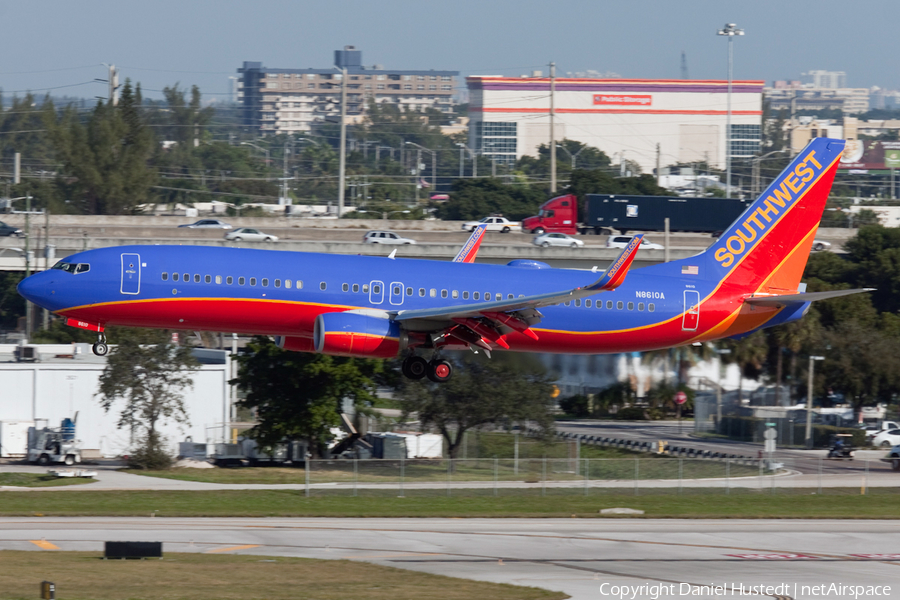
(207, 224)
(386, 237)
(887, 439)
(545, 240)
(248, 234)
(620, 241)
(819, 245)
(501, 224)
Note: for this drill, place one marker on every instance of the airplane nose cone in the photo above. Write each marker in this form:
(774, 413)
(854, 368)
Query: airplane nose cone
(31, 288)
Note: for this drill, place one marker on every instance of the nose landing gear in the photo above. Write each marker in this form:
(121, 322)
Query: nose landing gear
(100, 348)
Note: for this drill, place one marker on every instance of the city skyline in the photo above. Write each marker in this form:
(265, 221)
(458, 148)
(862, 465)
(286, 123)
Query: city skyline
(60, 47)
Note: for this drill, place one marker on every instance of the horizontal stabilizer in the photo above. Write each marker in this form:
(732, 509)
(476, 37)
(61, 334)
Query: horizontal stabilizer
(801, 298)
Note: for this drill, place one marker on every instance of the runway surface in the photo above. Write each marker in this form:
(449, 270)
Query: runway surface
(588, 559)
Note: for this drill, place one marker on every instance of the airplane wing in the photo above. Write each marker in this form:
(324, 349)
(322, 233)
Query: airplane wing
(481, 323)
(470, 249)
(786, 299)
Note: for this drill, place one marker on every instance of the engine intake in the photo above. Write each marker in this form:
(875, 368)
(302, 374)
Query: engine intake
(352, 334)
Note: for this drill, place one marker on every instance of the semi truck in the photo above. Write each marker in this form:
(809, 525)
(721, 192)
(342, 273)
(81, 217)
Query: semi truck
(615, 213)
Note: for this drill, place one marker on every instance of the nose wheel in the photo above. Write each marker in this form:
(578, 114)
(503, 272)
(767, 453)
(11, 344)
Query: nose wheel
(100, 348)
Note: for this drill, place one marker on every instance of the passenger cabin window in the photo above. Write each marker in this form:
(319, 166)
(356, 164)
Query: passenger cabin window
(208, 279)
(165, 276)
(345, 287)
(443, 293)
(422, 292)
(365, 288)
(587, 303)
(196, 278)
(433, 293)
(355, 288)
(578, 302)
(278, 283)
(376, 289)
(229, 280)
(322, 285)
(619, 305)
(299, 284)
(241, 281)
(465, 295)
(631, 306)
(186, 277)
(218, 279)
(651, 307)
(609, 304)
(476, 295)
(454, 294)
(640, 306)
(288, 283)
(253, 281)
(409, 291)
(174, 276)
(265, 282)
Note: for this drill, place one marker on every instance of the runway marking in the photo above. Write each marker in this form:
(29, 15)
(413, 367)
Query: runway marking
(44, 545)
(402, 555)
(776, 556)
(232, 548)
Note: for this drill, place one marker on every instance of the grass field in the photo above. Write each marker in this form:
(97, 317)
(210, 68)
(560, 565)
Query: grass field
(40, 480)
(878, 503)
(85, 576)
(614, 465)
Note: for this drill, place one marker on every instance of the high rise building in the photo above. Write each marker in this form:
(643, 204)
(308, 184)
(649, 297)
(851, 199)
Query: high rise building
(291, 100)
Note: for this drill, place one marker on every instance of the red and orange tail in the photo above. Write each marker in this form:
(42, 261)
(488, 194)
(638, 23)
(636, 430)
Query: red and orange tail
(766, 249)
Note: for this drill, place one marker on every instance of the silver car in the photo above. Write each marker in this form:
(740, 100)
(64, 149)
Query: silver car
(207, 224)
(385, 237)
(248, 234)
(545, 240)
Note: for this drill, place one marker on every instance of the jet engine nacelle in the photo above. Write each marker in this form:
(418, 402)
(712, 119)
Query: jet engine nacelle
(295, 344)
(354, 334)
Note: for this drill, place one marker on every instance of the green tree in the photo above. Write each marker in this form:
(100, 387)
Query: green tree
(148, 374)
(480, 393)
(477, 198)
(105, 162)
(298, 395)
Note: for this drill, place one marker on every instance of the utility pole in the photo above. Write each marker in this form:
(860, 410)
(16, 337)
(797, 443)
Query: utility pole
(552, 132)
(657, 164)
(418, 166)
(113, 85)
(684, 69)
(343, 162)
(46, 313)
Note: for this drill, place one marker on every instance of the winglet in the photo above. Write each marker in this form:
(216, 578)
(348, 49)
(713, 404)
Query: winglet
(615, 274)
(470, 249)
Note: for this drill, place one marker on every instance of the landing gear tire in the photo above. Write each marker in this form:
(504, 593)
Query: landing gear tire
(439, 371)
(100, 349)
(414, 367)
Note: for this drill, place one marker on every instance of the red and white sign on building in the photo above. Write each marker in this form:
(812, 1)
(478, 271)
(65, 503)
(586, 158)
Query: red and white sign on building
(623, 99)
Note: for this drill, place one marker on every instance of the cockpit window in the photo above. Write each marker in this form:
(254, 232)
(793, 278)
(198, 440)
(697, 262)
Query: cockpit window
(72, 267)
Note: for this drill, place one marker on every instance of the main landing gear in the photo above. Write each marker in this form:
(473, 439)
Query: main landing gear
(416, 367)
(100, 348)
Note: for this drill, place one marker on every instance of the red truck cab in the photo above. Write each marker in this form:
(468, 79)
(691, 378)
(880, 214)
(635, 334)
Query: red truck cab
(557, 215)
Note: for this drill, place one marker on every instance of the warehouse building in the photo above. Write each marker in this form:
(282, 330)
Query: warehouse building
(684, 121)
(58, 381)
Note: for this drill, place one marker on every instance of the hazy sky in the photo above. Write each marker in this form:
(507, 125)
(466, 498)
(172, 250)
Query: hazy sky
(50, 44)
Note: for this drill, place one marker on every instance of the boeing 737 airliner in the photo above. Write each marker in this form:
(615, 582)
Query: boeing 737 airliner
(384, 307)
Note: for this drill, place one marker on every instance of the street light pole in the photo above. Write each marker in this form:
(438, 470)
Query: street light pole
(433, 163)
(552, 131)
(342, 168)
(730, 30)
(809, 400)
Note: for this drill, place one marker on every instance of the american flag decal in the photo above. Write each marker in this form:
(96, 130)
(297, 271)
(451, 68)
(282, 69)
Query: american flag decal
(690, 270)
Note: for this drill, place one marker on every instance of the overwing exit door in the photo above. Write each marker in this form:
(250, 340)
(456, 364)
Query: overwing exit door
(131, 274)
(691, 310)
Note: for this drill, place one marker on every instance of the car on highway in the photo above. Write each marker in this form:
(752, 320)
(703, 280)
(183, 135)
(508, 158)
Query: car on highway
(494, 223)
(9, 230)
(556, 239)
(893, 457)
(207, 224)
(620, 241)
(248, 234)
(386, 237)
(887, 439)
(819, 245)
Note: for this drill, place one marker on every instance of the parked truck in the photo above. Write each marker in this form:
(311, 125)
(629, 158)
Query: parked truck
(614, 213)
